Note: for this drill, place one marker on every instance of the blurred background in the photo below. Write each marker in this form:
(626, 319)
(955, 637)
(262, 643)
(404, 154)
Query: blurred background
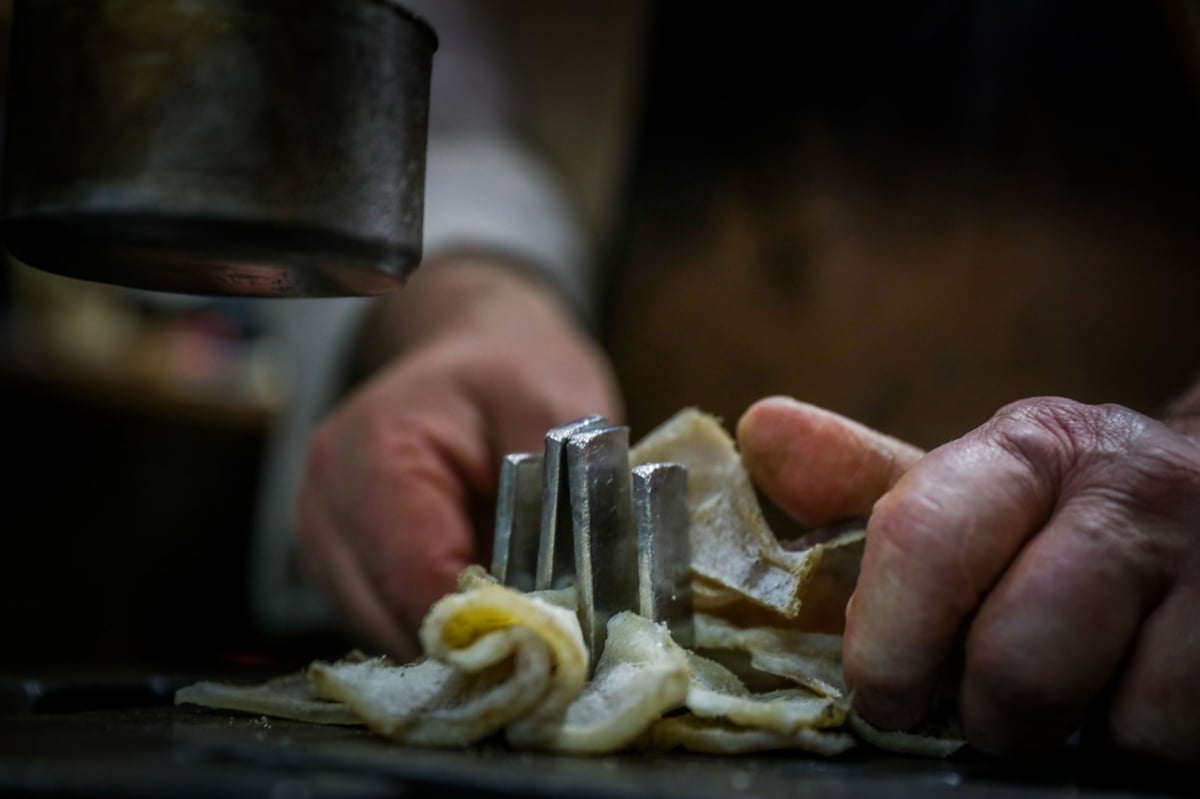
(908, 213)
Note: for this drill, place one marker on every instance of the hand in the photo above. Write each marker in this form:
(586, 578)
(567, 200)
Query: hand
(1055, 550)
(402, 476)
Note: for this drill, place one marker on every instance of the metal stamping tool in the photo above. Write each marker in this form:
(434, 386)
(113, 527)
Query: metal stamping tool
(664, 548)
(556, 551)
(604, 536)
(579, 515)
(518, 520)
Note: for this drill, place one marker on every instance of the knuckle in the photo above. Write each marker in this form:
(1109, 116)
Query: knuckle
(1054, 434)
(1158, 478)
(1121, 474)
(1050, 434)
(1059, 415)
(1122, 461)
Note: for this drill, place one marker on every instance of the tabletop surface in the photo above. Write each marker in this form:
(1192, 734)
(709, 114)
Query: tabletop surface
(133, 742)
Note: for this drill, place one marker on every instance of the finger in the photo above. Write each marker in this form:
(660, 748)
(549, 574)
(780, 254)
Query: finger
(392, 491)
(331, 564)
(816, 465)
(415, 506)
(936, 544)
(1056, 627)
(1153, 712)
(1095, 485)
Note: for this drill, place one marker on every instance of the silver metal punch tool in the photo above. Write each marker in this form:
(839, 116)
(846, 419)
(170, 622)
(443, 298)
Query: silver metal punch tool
(578, 514)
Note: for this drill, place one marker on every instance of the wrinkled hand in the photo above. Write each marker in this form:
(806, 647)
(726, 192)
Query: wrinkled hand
(402, 476)
(1055, 550)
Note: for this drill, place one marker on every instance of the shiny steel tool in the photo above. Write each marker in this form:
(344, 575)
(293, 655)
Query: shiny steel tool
(518, 520)
(556, 551)
(618, 534)
(664, 547)
(605, 539)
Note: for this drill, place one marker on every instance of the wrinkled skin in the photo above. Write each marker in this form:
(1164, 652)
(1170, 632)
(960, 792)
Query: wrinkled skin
(1052, 554)
(479, 361)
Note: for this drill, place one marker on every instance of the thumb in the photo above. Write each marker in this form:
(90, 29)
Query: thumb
(816, 465)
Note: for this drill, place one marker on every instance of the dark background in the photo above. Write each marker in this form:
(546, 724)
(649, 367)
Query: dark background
(913, 213)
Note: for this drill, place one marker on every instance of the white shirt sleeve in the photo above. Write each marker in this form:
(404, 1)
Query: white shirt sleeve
(486, 188)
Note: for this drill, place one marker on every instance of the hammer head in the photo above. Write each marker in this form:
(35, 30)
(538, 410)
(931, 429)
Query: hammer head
(238, 147)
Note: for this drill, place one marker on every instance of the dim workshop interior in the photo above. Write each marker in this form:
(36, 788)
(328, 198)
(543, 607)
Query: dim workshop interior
(910, 214)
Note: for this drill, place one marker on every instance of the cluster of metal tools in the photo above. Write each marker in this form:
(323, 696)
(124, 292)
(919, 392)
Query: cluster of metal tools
(579, 514)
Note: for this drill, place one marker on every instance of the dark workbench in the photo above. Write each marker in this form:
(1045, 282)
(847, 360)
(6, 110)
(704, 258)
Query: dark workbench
(134, 742)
